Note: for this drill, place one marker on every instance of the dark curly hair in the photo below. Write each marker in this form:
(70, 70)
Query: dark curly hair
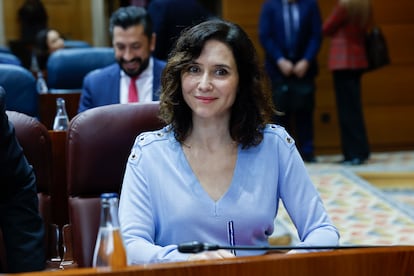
(41, 48)
(253, 106)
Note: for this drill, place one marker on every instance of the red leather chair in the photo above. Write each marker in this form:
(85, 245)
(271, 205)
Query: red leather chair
(34, 138)
(99, 141)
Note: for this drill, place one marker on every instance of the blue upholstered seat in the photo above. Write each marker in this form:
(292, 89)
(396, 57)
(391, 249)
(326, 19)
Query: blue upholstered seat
(66, 68)
(9, 58)
(70, 43)
(20, 86)
(4, 49)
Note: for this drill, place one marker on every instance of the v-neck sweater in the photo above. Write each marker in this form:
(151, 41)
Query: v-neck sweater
(162, 203)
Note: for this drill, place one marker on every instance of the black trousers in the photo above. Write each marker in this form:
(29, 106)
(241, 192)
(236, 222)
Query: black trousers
(354, 140)
(300, 125)
(298, 110)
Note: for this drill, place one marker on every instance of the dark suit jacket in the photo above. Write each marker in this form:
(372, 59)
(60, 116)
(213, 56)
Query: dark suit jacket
(170, 17)
(101, 86)
(273, 39)
(20, 221)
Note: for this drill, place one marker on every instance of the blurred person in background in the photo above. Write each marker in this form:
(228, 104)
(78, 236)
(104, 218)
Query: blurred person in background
(170, 18)
(32, 17)
(137, 75)
(346, 26)
(290, 32)
(47, 41)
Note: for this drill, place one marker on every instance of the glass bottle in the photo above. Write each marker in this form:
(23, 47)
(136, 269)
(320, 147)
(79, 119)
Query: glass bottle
(41, 85)
(61, 121)
(109, 249)
(34, 65)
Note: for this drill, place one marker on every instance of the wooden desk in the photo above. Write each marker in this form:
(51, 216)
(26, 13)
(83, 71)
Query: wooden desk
(398, 260)
(47, 106)
(58, 190)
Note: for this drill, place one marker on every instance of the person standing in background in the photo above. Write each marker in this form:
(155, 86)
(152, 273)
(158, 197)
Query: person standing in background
(170, 17)
(137, 75)
(290, 32)
(32, 17)
(346, 26)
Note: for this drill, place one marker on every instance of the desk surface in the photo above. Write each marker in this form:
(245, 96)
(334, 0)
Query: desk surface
(396, 260)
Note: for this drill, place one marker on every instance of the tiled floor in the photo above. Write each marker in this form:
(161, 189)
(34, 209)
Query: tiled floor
(399, 161)
(363, 213)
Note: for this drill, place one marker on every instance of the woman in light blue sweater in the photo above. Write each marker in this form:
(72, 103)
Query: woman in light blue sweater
(217, 160)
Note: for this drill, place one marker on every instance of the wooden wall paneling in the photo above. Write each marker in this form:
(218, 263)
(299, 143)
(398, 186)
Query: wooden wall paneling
(246, 14)
(72, 18)
(392, 85)
(326, 130)
(400, 42)
(390, 126)
(393, 12)
(11, 23)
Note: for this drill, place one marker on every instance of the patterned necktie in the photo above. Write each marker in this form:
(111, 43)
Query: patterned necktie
(291, 18)
(133, 90)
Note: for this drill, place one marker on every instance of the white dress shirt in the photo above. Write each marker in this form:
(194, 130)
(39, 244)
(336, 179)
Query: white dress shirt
(144, 84)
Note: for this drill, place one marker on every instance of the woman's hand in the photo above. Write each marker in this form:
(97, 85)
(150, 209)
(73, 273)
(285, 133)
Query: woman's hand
(210, 255)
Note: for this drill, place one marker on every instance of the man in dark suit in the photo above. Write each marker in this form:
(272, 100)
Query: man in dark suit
(170, 17)
(136, 71)
(20, 221)
(290, 32)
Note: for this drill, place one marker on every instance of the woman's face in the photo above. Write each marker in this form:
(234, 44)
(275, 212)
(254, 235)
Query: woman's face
(54, 41)
(210, 83)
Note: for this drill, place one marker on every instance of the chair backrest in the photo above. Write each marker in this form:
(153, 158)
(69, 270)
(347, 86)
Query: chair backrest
(20, 86)
(70, 43)
(99, 141)
(66, 68)
(9, 58)
(4, 49)
(34, 138)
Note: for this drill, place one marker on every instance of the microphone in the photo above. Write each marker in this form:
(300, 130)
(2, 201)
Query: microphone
(197, 247)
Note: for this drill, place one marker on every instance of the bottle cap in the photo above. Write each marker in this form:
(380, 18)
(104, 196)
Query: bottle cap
(109, 195)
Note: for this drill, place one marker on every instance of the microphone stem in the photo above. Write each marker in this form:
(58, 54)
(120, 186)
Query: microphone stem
(196, 247)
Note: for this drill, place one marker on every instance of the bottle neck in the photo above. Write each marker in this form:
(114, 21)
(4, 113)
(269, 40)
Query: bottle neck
(109, 213)
(60, 107)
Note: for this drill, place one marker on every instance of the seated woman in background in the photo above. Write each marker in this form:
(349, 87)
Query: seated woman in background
(218, 165)
(47, 42)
